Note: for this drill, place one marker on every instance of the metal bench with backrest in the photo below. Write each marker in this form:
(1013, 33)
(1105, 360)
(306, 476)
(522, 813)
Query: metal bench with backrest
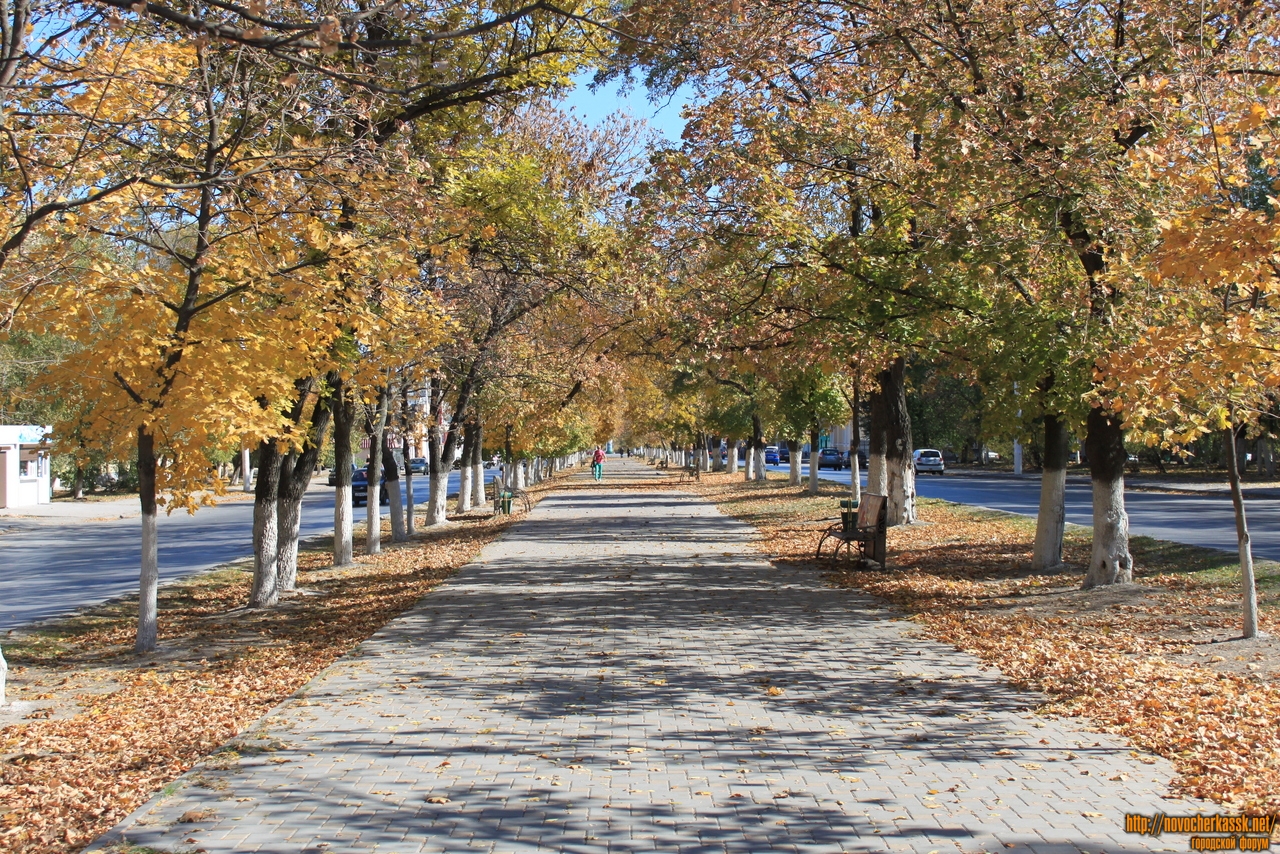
(867, 532)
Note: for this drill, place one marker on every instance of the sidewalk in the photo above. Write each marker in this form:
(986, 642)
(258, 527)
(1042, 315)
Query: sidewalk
(622, 672)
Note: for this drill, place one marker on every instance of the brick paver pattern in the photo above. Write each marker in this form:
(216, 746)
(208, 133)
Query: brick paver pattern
(623, 671)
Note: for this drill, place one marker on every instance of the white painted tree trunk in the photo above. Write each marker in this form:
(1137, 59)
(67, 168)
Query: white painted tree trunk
(343, 515)
(266, 531)
(438, 503)
(478, 498)
(408, 491)
(289, 520)
(246, 472)
(793, 463)
(813, 461)
(855, 478)
(463, 504)
(902, 491)
(148, 585)
(519, 474)
(1051, 521)
(762, 472)
(1249, 584)
(396, 512)
(1110, 562)
(733, 458)
(877, 475)
(149, 569)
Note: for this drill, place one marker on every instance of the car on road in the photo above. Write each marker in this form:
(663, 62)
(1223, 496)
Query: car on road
(771, 455)
(418, 465)
(333, 475)
(832, 458)
(360, 488)
(929, 460)
(784, 454)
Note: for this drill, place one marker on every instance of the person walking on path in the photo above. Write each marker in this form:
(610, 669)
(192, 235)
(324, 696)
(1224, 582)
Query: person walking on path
(597, 465)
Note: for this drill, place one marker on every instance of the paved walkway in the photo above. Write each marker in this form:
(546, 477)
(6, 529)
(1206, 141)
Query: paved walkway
(623, 673)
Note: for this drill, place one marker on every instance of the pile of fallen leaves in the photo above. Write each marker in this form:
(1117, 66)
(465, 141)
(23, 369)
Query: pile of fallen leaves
(121, 727)
(1140, 661)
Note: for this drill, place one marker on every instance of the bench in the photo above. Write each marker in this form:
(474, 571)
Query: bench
(867, 531)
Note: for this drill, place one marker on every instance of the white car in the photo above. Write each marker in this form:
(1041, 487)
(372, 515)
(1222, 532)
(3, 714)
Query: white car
(929, 460)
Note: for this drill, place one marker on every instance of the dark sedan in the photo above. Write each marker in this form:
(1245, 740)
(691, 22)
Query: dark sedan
(360, 488)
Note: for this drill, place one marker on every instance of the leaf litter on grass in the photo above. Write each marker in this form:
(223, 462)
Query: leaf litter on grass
(123, 726)
(1152, 661)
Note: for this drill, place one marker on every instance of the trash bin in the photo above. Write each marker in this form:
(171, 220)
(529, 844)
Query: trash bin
(505, 502)
(848, 514)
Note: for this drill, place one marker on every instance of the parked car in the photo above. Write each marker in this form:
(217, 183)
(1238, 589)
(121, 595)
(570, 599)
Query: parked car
(771, 455)
(333, 475)
(929, 460)
(950, 458)
(784, 454)
(418, 465)
(832, 458)
(360, 488)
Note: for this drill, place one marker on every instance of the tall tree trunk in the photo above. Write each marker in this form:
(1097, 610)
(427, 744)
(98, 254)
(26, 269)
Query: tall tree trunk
(77, 483)
(149, 576)
(877, 442)
(463, 504)
(398, 532)
(266, 533)
(814, 437)
(406, 417)
(295, 476)
(437, 500)
(1241, 454)
(344, 419)
(732, 466)
(520, 479)
(407, 450)
(1248, 582)
(375, 430)
(855, 443)
(246, 469)
(1051, 521)
(793, 464)
(478, 499)
(757, 444)
(289, 521)
(899, 464)
(1110, 562)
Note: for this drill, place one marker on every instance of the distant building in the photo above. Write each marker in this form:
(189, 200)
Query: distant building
(24, 466)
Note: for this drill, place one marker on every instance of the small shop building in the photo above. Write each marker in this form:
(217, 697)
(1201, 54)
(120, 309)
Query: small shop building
(24, 466)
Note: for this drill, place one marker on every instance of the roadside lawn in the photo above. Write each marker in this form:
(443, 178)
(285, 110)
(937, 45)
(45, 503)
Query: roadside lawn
(95, 730)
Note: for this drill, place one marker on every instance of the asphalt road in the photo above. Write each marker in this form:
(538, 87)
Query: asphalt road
(1198, 520)
(53, 569)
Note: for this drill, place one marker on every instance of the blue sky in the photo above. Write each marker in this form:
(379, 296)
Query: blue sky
(594, 107)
